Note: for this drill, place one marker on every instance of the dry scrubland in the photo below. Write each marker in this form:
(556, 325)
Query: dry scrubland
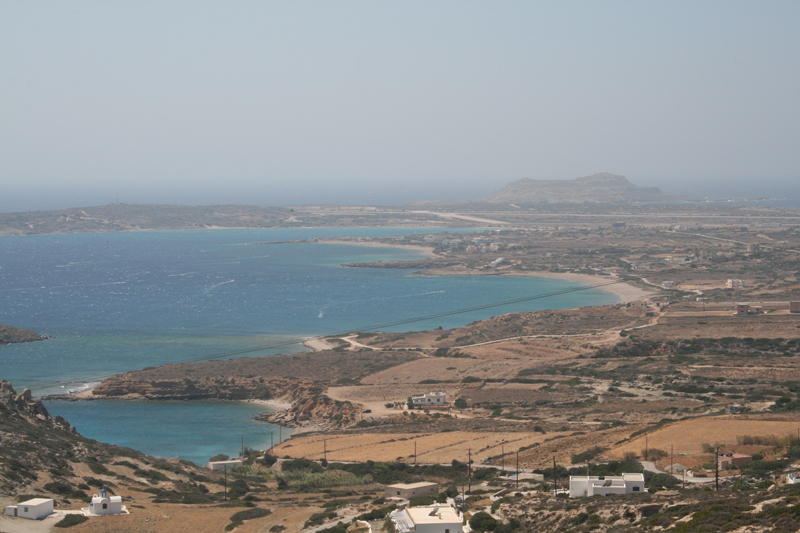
(689, 436)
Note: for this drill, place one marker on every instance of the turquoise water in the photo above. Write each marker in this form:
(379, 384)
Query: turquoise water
(113, 302)
(199, 430)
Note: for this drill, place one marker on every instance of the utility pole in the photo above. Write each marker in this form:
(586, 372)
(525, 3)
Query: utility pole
(555, 479)
(716, 470)
(503, 458)
(517, 469)
(671, 459)
(645, 447)
(226, 482)
(469, 469)
(325, 450)
(415, 452)
(242, 447)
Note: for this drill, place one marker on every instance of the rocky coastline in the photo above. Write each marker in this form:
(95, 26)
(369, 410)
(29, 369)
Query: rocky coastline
(307, 409)
(12, 335)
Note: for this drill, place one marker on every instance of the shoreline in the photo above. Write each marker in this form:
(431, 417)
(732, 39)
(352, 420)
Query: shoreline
(626, 291)
(318, 344)
(428, 250)
(3, 233)
(276, 405)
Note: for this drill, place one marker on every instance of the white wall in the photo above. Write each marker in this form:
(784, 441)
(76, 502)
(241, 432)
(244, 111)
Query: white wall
(35, 511)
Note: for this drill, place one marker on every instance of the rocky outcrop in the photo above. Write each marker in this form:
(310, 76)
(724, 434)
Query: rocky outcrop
(318, 413)
(12, 335)
(24, 404)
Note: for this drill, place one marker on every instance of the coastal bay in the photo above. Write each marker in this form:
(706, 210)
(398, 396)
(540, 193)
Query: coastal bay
(125, 301)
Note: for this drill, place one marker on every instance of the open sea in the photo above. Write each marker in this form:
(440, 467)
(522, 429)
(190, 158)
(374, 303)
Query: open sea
(113, 302)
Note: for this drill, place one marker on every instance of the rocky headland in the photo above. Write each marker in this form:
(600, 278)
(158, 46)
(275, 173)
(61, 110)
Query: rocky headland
(12, 335)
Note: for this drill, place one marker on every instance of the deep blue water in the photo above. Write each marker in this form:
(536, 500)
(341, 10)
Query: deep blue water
(112, 302)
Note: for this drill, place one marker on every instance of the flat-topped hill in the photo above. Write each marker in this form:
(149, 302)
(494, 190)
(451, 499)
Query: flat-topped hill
(598, 188)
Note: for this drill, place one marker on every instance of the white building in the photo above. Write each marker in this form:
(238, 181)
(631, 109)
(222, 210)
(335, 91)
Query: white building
(407, 491)
(224, 465)
(105, 504)
(432, 398)
(580, 486)
(427, 519)
(34, 509)
(497, 262)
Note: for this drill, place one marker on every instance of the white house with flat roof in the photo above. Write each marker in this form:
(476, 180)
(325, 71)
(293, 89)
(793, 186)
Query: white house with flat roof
(407, 491)
(581, 486)
(432, 398)
(34, 509)
(224, 465)
(427, 519)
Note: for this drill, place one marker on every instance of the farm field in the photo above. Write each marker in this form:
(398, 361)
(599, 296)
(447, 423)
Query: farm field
(688, 436)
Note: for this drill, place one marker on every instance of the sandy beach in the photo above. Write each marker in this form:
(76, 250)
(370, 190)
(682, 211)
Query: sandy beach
(377, 244)
(318, 344)
(627, 292)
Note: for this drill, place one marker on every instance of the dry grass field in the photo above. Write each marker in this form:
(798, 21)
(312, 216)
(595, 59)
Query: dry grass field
(431, 447)
(688, 436)
(536, 450)
(712, 325)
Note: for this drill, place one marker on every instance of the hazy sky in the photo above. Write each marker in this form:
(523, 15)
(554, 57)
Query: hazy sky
(387, 102)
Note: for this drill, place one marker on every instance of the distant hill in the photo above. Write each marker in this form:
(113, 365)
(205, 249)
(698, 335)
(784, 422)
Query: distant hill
(12, 335)
(598, 188)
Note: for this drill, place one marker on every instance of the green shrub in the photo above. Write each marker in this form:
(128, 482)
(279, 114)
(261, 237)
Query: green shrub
(71, 520)
(296, 465)
(317, 519)
(99, 469)
(66, 490)
(588, 455)
(482, 521)
(420, 500)
(250, 514)
(338, 528)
